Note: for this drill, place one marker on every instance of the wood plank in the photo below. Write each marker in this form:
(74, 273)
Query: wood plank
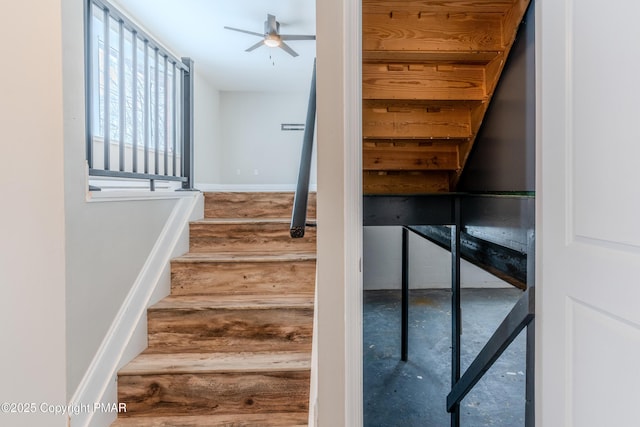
(233, 302)
(215, 393)
(512, 20)
(388, 120)
(432, 31)
(405, 183)
(493, 70)
(242, 257)
(429, 57)
(253, 205)
(212, 235)
(416, 6)
(230, 274)
(402, 81)
(231, 323)
(282, 419)
(410, 157)
(245, 362)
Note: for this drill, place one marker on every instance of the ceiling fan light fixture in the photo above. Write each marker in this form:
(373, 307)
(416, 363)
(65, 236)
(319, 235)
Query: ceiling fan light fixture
(271, 36)
(272, 41)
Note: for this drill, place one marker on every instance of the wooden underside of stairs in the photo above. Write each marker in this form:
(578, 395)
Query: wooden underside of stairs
(231, 344)
(429, 71)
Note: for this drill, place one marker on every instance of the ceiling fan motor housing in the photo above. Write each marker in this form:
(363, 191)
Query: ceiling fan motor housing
(269, 30)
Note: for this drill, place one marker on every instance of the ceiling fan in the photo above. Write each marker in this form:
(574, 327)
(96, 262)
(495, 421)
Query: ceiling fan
(272, 37)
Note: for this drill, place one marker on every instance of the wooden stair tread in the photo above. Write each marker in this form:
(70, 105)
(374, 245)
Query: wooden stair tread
(239, 257)
(190, 363)
(234, 302)
(287, 419)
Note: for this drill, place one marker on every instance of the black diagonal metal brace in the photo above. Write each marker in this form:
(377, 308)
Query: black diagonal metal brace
(518, 318)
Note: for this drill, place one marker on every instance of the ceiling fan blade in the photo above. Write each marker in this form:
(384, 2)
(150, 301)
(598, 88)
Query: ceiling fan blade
(244, 31)
(255, 46)
(287, 49)
(296, 37)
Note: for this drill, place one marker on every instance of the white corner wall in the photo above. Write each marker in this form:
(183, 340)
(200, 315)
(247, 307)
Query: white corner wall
(254, 148)
(32, 254)
(429, 264)
(207, 131)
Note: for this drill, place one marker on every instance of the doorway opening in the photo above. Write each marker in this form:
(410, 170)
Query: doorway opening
(453, 315)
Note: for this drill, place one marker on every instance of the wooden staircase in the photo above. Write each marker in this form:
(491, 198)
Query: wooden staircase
(430, 68)
(231, 344)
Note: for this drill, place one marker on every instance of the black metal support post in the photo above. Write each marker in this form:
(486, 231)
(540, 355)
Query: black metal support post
(187, 125)
(107, 92)
(529, 413)
(405, 295)
(156, 112)
(174, 113)
(456, 318)
(301, 197)
(88, 55)
(134, 102)
(121, 97)
(147, 107)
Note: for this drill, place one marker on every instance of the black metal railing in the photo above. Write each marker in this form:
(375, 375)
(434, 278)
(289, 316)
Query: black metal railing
(513, 209)
(301, 197)
(139, 102)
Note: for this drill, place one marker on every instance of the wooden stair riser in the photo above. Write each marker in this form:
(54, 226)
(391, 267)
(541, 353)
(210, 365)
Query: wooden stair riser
(232, 237)
(375, 182)
(214, 393)
(199, 278)
(423, 82)
(399, 30)
(253, 205)
(225, 330)
(393, 120)
(409, 157)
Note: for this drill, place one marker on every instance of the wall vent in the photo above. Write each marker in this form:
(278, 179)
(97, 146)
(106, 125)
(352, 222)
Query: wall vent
(292, 126)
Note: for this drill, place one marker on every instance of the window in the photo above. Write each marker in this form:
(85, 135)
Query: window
(134, 100)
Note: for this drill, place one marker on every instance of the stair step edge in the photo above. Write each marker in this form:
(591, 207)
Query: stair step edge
(241, 221)
(240, 257)
(234, 302)
(211, 363)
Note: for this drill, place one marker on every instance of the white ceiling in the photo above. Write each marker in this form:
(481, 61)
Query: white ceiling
(194, 28)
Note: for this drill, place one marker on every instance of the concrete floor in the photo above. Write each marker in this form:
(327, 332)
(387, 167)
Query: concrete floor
(413, 393)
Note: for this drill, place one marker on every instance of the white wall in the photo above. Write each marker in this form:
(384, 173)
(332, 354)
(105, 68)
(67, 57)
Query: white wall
(32, 266)
(429, 264)
(253, 141)
(107, 243)
(339, 214)
(207, 131)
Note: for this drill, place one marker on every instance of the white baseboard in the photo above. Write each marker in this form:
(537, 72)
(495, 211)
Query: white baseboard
(123, 337)
(250, 187)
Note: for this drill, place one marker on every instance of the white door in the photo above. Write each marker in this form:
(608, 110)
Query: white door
(588, 272)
